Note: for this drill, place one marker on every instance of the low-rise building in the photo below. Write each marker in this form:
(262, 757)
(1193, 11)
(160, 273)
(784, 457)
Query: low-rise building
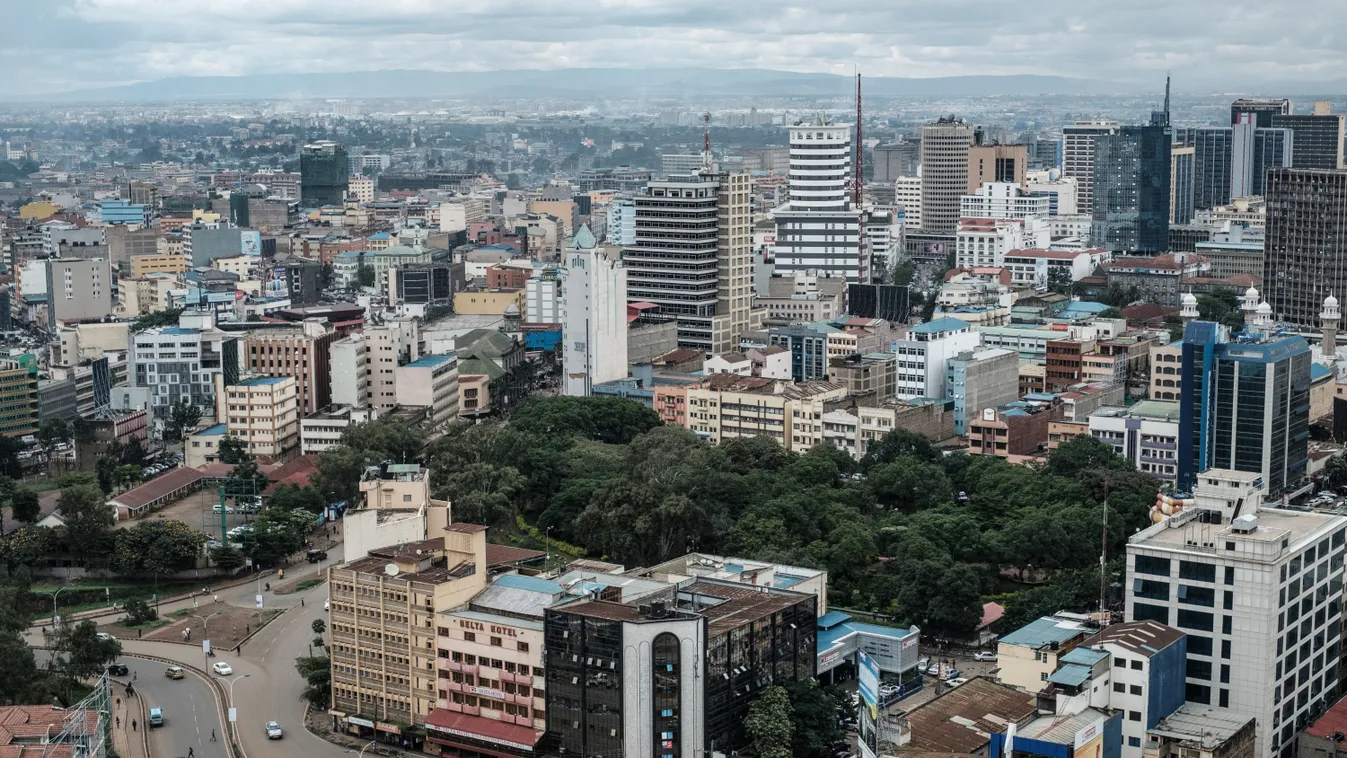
(1146, 433)
(430, 381)
(322, 430)
(978, 379)
(1016, 429)
(203, 447)
(1026, 657)
(734, 406)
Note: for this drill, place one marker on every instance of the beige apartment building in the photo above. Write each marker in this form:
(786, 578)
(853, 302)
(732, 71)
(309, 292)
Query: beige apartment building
(261, 411)
(157, 264)
(302, 351)
(383, 613)
(431, 382)
(1166, 372)
(749, 406)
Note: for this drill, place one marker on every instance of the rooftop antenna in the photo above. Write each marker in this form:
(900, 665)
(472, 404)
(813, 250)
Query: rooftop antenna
(856, 190)
(1166, 97)
(706, 142)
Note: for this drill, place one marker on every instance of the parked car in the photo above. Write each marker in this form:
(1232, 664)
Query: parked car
(222, 668)
(317, 555)
(105, 636)
(274, 730)
(952, 673)
(956, 681)
(174, 672)
(118, 669)
(984, 655)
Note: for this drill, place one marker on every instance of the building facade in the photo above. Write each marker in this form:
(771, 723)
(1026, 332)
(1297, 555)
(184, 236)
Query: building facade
(1130, 195)
(263, 413)
(1306, 247)
(594, 315)
(945, 145)
(323, 174)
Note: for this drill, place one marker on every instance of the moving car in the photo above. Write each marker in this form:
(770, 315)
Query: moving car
(174, 672)
(105, 636)
(273, 730)
(156, 717)
(222, 669)
(117, 669)
(984, 655)
(327, 605)
(317, 555)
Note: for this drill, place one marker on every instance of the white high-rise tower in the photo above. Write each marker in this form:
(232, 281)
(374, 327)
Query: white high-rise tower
(816, 233)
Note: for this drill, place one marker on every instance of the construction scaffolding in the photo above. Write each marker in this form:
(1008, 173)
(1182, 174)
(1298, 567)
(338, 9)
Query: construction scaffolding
(86, 730)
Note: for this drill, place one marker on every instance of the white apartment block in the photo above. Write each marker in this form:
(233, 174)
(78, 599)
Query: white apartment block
(1147, 434)
(1003, 200)
(351, 371)
(792, 415)
(622, 221)
(1063, 194)
(907, 193)
(392, 343)
(263, 412)
(986, 241)
(542, 298)
(323, 430)
(923, 358)
(1259, 593)
(594, 315)
(431, 382)
(1035, 267)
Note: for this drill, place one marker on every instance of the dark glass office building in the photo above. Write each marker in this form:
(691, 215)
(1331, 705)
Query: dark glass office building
(1305, 253)
(1263, 109)
(323, 174)
(1211, 167)
(1132, 189)
(1244, 406)
(1318, 139)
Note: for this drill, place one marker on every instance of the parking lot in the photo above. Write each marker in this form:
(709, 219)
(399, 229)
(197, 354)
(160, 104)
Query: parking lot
(196, 510)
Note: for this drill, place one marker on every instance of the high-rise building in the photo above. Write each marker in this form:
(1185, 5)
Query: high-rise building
(692, 234)
(79, 289)
(1244, 405)
(261, 412)
(323, 174)
(817, 233)
(1181, 175)
(679, 164)
(179, 363)
(302, 351)
(894, 160)
(396, 342)
(907, 194)
(1252, 152)
(1306, 245)
(996, 163)
(978, 379)
(1262, 109)
(594, 315)
(430, 382)
(1130, 196)
(351, 371)
(945, 147)
(1078, 156)
(622, 222)
(1318, 136)
(1258, 591)
(996, 200)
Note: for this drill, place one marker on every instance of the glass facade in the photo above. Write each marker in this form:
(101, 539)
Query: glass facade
(667, 677)
(1131, 196)
(1211, 166)
(584, 683)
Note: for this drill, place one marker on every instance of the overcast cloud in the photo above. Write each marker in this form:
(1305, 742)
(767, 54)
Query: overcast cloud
(53, 45)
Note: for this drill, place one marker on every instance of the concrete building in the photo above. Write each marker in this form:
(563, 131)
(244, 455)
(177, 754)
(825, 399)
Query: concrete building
(984, 242)
(923, 358)
(1306, 250)
(999, 200)
(179, 363)
(594, 315)
(1078, 156)
(978, 379)
(1157, 279)
(894, 160)
(1130, 194)
(1016, 430)
(907, 196)
(322, 430)
(1026, 657)
(350, 366)
(542, 297)
(383, 609)
(431, 382)
(302, 352)
(19, 403)
(945, 145)
(1318, 136)
(818, 232)
(394, 343)
(1039, 268)
(1062, 192)
(79, 289)
(996, 163)
(1147, 434)
(1257, 593)
(733, 406)
(801, 297)
(263, 412)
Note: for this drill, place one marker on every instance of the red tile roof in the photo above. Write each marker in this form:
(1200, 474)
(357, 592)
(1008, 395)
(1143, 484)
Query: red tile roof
(1332, 722)
(477, 727)
(158, 487)
(297, 472)
(505, 555)
(991, 613)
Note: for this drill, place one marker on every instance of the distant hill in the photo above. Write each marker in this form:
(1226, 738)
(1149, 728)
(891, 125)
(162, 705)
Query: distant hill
(578, 82)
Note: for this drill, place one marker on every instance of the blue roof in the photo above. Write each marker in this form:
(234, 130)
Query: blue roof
(214, 431)
(498, 247)
(1046, 397)
(786, 581)
(430, 361)
(1071, 675)
(262, 381)
(178, 330)
(1088, 306)
(946, 324)
(530, 583)
(831, 619)
(1319, 371)
(1042, 632)
(1083, 656)
(379, 236)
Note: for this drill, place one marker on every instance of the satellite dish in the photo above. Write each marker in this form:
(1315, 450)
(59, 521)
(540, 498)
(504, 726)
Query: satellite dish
(391, 569)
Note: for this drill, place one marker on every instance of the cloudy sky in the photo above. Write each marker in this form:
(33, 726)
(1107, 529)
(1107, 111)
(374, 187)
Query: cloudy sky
(53, 45)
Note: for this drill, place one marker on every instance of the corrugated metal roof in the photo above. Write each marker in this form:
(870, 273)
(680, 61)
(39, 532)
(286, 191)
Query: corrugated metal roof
(1043, 632)
(1071, 675)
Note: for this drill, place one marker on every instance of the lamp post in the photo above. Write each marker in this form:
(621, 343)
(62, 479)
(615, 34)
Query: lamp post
(233, 713)
(53, 602)
(547, 539)
(204, 621)
(361, 754)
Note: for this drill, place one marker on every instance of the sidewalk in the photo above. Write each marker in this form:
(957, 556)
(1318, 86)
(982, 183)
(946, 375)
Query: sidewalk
(126, 743)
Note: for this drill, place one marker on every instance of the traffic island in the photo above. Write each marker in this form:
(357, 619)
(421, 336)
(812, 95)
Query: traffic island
(223, 624)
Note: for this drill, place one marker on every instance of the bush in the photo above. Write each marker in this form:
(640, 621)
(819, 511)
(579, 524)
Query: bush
(537, 534)
(140, 612)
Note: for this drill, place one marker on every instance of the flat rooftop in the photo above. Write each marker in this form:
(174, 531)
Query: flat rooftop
(1274, 525)
(1204, 725)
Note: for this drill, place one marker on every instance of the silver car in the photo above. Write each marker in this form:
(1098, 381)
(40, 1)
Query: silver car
(273, 730)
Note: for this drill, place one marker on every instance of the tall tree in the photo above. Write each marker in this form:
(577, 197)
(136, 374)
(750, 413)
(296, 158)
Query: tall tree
(232, 450)
(87, 517)
(25, 505)
(768, 724)
(813, 719)
(182, 420)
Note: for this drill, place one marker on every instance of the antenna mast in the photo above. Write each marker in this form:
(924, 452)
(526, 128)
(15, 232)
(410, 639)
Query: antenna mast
(706, 143)
(856, 190)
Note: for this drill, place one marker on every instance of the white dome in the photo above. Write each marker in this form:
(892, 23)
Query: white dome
(1251, 293)
(1189, 299)
(1264, 309)
(1330, 300)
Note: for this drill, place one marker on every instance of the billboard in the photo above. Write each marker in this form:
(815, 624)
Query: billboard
(1090, 740)
(868, 673)
(250, 242)
(867, 721)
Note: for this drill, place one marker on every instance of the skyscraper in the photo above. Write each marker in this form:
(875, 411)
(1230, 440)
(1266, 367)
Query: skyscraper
(1181, 160)
(1078, 156)
(1130, 204)
(1244, 405)
(996, 163)
(944, 172)
(817, 233)
(323, 174)
(1262, 109)
(681, 255)
(1211, 166)
(1318, 137)
(594, 315)
(1305, 258)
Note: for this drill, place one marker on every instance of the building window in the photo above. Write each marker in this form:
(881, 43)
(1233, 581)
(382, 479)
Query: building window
(666, 668)
(1148, 564)
(1136, 665)
(495, 642)
(1043, 677)
(1134, 689)
(522, 647)
(1134, 715)
(469, 637)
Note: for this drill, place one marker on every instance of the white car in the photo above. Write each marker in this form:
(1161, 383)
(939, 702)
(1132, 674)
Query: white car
(327, 605)
(984, 655)
(222, 669)
(956, 681)
(274, 731)
(105, 636)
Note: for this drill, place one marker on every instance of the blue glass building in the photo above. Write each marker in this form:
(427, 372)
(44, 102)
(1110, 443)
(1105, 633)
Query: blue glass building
(1244, 406)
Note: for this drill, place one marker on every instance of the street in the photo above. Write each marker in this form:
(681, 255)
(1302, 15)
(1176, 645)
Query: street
(189, 711)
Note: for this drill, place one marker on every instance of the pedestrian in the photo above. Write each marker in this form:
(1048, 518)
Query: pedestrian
(212, 735)
(217, 597)
(189, 753)
(133, 725)
(137, 634)
(119, 702)
(301, 602)
(119, 722)
(134, 676)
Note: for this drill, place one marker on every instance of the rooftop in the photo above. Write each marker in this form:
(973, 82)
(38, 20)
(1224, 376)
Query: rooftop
(940, 325)
(1044, 632)
(1273, 525)
(1144, 637)
(1060, 729)
(963, 719)
(262, 381)
(212, 431)
(430, 361)
(1209, 727)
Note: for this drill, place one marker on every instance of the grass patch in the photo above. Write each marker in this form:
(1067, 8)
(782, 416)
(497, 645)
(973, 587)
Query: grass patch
(145, 627)
(307, 584)
(180, 613)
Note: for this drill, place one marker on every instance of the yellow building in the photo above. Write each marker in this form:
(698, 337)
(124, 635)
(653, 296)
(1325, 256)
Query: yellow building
(488, 302)
(1026, 657)
(157, 264)
(383, 614)
(18, 396)
(263, 412)
(38, 211)
(1166, 372)
(750, 406)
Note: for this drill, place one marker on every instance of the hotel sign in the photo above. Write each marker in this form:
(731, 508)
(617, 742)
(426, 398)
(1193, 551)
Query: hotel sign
(478, 626)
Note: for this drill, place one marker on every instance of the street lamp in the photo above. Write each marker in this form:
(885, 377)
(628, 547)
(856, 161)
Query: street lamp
(547, 538)
(233, 713)
(362, 750)
(53, 602)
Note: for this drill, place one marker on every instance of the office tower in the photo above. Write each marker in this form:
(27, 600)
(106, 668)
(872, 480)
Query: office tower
(323, 174)
(179, 363)
(944, 172)
(395, 342)
(1078, 156)
(817, 233)
(302, 351)
(1131, 189)
(1244, 405)
(1272, 148)
(995, 200)
(1258, 591)
(1306, 245)
(78, 289)
(1044, 154)
(678, 165)
(1211, 166)
(594, 315)
(996, 163)
(681, 255)
(1262, 110)
(1181, 160)
(1318, 137)
(894, 160)
(907, 193)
